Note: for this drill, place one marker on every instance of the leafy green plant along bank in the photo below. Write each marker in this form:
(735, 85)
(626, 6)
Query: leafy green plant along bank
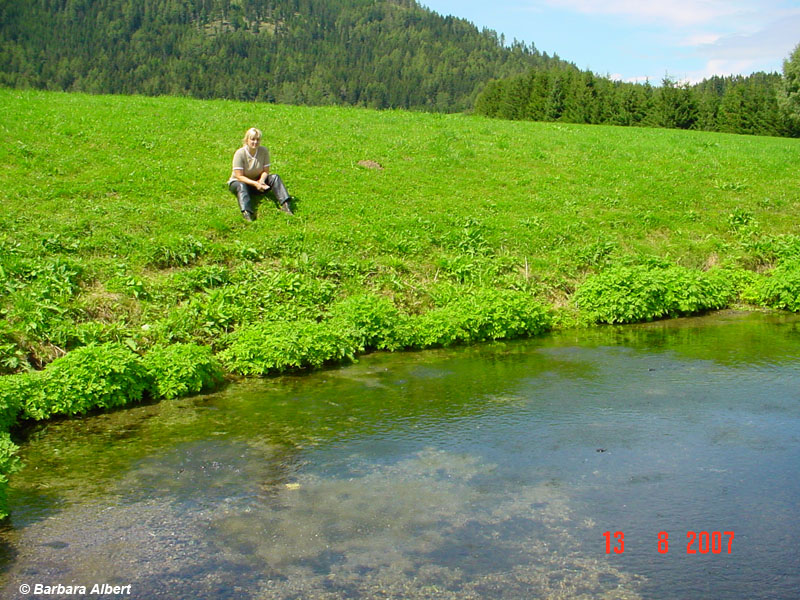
(126, 271)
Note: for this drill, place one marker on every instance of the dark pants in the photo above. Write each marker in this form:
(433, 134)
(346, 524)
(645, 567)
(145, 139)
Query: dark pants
(248, 195)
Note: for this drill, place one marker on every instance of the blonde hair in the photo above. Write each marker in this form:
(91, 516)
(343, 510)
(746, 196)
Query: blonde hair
(251, 133)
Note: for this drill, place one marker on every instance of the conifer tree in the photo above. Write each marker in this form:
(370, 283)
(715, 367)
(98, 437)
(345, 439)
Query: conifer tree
(677, 105)
(789, 97)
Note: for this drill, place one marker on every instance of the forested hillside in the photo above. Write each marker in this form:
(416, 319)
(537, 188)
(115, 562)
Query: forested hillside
(376, 53)
(748, 105)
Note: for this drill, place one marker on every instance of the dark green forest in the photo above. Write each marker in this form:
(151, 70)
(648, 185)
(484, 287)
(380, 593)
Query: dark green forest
(375, 53)
(740, 104)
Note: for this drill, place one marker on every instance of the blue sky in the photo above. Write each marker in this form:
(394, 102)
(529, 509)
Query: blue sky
(634, 40)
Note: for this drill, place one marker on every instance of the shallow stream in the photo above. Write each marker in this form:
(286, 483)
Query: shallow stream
(486, 472)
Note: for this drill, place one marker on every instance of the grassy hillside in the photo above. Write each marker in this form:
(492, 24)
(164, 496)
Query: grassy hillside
(129, 194)
(127, 270)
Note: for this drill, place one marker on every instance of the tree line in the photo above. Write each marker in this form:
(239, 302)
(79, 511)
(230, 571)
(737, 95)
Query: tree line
(375, 53)
(757, 104)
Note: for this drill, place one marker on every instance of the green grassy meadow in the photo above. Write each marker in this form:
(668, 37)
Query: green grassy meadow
(126, 270)
(130, 192)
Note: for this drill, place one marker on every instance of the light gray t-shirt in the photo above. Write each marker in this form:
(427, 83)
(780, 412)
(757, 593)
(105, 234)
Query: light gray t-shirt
(252, 166)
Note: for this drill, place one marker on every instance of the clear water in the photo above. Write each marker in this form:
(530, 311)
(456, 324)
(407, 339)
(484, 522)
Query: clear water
(482, 472)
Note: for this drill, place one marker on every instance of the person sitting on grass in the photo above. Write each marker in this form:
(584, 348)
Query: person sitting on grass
(251, 178)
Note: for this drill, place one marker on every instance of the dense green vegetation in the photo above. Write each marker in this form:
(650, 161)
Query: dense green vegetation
(372, 53)
(789, 96)
(755, 104)
(126, 271)
(376, 53)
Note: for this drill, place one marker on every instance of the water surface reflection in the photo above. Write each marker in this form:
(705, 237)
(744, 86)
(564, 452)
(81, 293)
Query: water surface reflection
(483, 472)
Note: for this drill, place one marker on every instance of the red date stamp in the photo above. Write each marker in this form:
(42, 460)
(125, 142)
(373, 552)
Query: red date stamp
(697, 542)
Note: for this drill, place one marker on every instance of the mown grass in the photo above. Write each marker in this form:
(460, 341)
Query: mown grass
(118, 238)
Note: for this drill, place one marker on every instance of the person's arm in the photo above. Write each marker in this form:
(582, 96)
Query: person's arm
(260, 185)
(265, 172)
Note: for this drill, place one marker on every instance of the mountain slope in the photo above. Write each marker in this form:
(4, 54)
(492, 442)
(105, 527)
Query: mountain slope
(376, 53)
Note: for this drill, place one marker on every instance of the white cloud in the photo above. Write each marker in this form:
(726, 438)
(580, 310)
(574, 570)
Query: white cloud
(728, 36)
(773, 41)
(723, 68)
(641, 79)
(681, 13)
(699, 39)
(621, 77)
